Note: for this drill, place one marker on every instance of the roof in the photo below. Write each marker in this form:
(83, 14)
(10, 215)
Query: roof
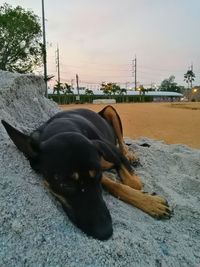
(129, 93)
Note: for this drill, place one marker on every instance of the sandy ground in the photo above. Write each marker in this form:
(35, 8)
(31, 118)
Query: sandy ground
(34, 229)
(172, 122)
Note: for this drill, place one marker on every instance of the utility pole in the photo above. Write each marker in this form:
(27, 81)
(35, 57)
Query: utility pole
(58, 63)
(44, 50)
(77, 87)
(134, 71)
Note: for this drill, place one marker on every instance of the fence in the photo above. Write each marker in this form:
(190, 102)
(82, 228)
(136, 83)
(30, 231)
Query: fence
(69, 99)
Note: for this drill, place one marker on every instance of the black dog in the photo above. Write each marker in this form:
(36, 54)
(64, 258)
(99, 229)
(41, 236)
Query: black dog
(71, 150)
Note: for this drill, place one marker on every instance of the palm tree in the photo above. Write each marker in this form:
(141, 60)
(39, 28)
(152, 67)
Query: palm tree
(189, 77)
(58, 88)
(121, 91)
(107, 92)
(89, 92)
(115, 89)
(67, 90)
(49, 77)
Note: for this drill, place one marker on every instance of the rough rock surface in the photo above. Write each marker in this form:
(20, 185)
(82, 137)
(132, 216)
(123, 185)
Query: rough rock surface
(34, 229)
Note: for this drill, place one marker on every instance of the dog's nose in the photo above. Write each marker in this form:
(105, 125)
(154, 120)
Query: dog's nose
(103, 233)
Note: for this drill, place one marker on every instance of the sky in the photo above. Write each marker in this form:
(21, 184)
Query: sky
(98, 39)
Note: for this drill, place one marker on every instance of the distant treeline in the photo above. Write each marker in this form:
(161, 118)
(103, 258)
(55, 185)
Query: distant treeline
(69, 99)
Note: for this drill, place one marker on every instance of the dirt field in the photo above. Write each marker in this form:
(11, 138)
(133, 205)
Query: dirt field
(172, 122)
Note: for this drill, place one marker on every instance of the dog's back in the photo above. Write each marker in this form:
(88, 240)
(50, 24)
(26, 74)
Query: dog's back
(84, 121)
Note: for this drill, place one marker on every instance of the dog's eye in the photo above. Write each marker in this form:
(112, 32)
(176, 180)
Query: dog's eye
(56, 177)
(75, 176)
(92, 173)
(68, 188)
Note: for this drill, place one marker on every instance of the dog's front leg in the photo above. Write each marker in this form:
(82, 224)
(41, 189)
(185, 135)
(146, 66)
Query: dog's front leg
(129, 179)
(127, 176)
(153, 205)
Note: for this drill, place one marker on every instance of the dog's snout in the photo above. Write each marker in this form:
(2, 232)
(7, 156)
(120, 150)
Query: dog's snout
(103, 232)
(93, 217)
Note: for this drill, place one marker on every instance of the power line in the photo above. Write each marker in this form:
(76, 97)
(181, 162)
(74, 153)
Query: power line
(97, 68)
(158, 69)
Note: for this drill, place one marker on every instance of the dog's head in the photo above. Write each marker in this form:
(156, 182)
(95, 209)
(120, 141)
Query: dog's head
(70, 165)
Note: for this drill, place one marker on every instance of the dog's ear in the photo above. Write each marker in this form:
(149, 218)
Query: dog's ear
(108, 151)
(23, 142)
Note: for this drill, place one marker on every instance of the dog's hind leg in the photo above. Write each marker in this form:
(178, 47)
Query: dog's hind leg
(153, 205)
(112, 117)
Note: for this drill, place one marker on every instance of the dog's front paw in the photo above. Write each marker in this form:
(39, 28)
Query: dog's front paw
(157, 207)
(136, 163)
(131, 157)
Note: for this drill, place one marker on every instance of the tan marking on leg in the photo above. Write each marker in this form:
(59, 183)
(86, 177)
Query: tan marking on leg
(153, 205)
(130, 156)
(111, 116)
(130, 179)
(46, 183)
(106, 165)
(92, 173)
(75, 176)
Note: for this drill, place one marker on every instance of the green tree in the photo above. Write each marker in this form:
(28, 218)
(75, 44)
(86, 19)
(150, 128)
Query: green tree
(58, 89)
(67, 90)
(20, 39)
(189, 77)
(169, 85)
(122, 91)
(142, 90)
(89, 92)
(115, 89)
(107, 92)
(106, 88)
(112, 89)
